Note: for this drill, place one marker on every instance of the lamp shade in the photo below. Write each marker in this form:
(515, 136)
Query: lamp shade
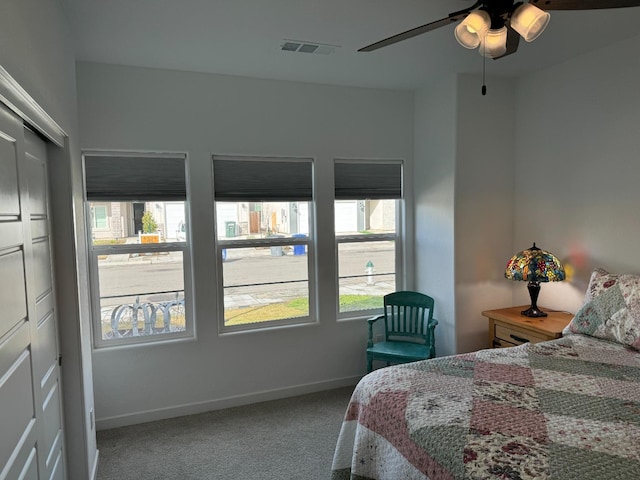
(529, 21)
(472, 29)
(535, 265)
(494, 43)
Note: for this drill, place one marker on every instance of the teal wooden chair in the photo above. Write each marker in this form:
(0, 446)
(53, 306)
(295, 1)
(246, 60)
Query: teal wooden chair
(408, 329)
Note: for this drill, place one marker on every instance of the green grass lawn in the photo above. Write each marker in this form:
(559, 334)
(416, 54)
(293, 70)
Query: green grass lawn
(296, 308)
(110, 241)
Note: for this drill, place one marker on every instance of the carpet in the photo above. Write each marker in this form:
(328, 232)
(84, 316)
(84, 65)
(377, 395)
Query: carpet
(292, 438)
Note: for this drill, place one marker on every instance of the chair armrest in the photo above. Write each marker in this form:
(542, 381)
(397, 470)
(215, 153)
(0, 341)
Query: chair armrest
(371, 321)
(433, 323)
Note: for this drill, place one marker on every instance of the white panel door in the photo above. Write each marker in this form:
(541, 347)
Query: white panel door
(31, 443)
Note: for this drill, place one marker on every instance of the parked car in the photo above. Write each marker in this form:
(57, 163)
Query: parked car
(181, 232)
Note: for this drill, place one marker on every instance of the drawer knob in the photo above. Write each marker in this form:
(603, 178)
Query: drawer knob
(519, 339)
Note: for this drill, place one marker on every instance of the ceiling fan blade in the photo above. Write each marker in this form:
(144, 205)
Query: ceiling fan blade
(513, 39)
(583, 4)
(414, 32)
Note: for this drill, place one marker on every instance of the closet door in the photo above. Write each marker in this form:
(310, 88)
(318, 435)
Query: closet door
(31, 444)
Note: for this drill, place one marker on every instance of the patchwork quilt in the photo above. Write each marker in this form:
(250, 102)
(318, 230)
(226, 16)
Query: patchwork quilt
(565, 409)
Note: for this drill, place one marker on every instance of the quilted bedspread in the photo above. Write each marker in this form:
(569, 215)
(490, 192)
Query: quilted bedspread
(566, 409)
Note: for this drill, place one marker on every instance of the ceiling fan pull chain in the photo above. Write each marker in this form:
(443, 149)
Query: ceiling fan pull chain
(484, 65)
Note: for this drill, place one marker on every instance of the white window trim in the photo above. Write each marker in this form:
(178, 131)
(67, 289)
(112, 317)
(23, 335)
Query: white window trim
(94, 250)
(268, 242)
(399, 262)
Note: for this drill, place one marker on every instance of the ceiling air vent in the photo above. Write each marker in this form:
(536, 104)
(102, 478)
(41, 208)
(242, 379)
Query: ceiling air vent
(307, 47)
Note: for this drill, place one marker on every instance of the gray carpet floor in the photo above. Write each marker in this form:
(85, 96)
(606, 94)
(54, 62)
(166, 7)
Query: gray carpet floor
(293, 438)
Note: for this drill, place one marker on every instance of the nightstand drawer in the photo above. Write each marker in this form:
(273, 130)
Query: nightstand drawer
(516, 336)
(499, 343)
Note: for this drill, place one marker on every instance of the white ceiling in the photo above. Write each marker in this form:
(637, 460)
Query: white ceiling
(243, 37)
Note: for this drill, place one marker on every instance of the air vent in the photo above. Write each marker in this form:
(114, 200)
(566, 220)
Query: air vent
(307, 47)
(290, 46)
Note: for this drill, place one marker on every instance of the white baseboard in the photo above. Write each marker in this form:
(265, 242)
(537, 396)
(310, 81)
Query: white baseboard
(218, 404)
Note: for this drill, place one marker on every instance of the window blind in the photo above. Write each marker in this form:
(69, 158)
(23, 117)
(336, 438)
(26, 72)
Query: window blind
(367, 180)
(134, 178)
(262, 179)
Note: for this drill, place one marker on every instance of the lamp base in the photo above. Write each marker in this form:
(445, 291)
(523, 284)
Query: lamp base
(533, 312)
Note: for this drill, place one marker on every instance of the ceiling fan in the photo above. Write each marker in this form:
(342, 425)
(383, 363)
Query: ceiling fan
(495, 26)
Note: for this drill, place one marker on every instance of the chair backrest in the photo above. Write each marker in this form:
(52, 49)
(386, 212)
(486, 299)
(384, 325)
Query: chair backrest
(408, 314)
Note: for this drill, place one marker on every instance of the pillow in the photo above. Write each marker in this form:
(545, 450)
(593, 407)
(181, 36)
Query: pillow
(611, 310)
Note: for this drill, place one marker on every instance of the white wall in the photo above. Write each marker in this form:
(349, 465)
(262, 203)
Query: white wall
(37, 52)
(463, 165)
(577, 178)
(550, 158)
(434, 188)
(135, 108)
(485, 129)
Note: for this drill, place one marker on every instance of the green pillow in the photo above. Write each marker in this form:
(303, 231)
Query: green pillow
(611, 310)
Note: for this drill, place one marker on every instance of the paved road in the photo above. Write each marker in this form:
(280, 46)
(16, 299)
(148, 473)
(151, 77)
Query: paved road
(159, 273)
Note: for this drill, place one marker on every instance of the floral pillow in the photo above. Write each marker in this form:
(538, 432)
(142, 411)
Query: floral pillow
(611, 310)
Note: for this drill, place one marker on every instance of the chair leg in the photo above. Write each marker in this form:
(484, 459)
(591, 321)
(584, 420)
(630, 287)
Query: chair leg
(369, 363)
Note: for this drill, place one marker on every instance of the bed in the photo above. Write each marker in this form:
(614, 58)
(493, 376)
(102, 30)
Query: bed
(563, 409)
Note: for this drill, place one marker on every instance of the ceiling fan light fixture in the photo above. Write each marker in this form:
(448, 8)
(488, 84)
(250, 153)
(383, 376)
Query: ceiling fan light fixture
(472, 29)
(494, 43)
(529, 21)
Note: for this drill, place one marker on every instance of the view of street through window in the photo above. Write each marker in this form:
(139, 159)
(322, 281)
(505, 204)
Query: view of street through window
(368, 268)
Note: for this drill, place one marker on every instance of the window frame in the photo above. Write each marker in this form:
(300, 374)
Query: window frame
(397, 237)
(94, 251)
(221, 244)
(264, 243)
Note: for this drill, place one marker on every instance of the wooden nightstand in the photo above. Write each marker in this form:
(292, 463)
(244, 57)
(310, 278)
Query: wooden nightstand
(508, 328)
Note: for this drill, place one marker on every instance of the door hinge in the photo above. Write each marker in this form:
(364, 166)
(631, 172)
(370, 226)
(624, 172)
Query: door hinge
(59, 360)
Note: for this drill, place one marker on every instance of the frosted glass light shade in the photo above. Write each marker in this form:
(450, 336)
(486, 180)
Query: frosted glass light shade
(529, 21)
(471, 30)
(494, 43)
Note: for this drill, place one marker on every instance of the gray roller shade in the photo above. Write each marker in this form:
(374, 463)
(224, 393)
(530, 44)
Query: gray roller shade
(134, 178)
(367, 180)
(262, 179)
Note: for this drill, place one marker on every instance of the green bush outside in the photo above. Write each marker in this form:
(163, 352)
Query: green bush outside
(149, 224)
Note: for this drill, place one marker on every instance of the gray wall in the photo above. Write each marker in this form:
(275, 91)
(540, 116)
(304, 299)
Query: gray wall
(37, 52)
(136, 108)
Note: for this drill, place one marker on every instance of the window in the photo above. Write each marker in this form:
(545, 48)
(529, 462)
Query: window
(264, 247)
(367, 209)
(99, 218)
(138, 258)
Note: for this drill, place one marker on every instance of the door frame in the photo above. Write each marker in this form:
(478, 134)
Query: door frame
(77, 381)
